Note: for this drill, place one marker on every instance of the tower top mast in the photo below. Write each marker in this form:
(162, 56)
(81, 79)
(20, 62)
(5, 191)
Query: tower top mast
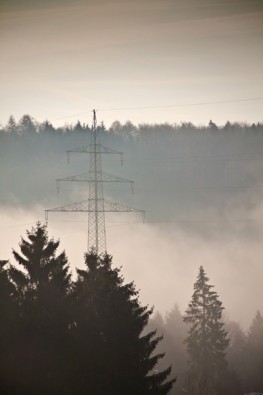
(95, 206)
(94, 126)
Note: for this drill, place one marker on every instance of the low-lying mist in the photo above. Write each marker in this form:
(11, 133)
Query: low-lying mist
(201, 189)
(162, 259)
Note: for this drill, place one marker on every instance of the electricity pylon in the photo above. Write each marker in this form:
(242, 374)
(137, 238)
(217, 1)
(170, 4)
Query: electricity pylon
(96, 206)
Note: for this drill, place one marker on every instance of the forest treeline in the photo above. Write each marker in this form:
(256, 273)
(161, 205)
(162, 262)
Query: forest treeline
(91, 335)
(243, 353)
(215, 163)
(27, 125)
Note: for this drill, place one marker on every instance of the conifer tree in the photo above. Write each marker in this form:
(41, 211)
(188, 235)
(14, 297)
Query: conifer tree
(254, 355)
(7, 291)
(8, 314)
(11, 125)
(109, 320)
(236, 352)
(175, 349)
(206, 341)
(42, 294)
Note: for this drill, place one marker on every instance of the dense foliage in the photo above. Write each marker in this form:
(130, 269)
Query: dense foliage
(239, 365)
(65, 337)
(207, 339)
(92, 335)
(28, 125)
(197, 169)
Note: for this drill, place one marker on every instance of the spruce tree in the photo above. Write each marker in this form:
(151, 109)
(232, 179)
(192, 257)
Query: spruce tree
(175, 350)
(207, 340)
(42, 294)
(236, 352)
(254, 355)
(108, 323)
(8, 314)
(7, 294)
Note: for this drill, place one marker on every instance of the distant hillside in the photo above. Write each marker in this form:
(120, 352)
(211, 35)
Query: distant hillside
(182, 172)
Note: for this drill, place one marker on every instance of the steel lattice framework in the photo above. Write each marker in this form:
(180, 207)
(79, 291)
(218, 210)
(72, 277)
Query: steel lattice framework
(95, 206)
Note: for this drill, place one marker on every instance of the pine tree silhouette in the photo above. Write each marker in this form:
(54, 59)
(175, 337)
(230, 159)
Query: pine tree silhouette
(109, 321)
(207, 339)
(42, 293)
(254, 355)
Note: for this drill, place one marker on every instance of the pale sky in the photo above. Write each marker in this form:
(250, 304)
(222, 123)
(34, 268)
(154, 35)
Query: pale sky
(63, 57)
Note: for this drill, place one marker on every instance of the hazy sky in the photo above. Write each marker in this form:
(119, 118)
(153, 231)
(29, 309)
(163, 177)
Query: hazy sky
(63, 57)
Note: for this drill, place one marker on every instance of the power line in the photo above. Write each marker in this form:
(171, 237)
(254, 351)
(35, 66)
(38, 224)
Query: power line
(164, 106)
(198, 158)
(183, 105)
(207, 221)
(205, 189)
(175, 221)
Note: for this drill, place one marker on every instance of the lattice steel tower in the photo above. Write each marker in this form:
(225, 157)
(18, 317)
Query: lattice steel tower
(96, 206)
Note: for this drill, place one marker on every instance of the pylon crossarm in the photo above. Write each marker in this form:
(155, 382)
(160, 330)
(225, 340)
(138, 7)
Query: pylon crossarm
(113, 207)
(84, 206)
(92, 177)
(106, 150)
(74, 207)
(106, 177)
(92, 149)
(84, 177)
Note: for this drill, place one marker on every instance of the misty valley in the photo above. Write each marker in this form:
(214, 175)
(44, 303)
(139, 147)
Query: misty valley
(77, 322)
